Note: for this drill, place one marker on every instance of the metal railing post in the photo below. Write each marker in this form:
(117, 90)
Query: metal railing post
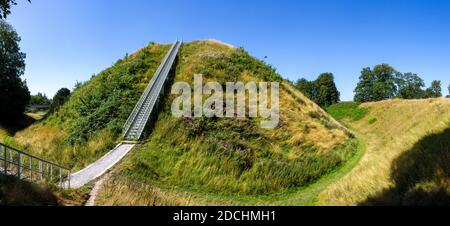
(68, 183)
(38, 172)
(20, 166)
(40, 169)
(60, 177)
(31, 168)
(10, 160)
(5, 169)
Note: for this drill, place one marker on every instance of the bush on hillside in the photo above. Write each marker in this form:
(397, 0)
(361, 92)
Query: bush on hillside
(228, 68)
(372, 119)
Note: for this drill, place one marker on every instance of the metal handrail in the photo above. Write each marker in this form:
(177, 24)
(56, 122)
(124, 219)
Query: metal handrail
(144, 96)
(14, 165)
(171, 57)
(155, 80)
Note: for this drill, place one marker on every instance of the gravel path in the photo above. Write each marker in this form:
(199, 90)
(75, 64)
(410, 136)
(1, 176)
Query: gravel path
(99, 167)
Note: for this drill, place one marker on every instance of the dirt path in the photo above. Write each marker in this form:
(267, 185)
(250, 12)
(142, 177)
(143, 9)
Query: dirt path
(94, 192)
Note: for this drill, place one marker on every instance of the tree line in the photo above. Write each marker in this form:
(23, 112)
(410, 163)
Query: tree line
(384, 82)
(381, 82)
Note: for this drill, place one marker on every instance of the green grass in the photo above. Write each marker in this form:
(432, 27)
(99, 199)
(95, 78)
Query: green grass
(216, 156)
(125, 190)
(218, 159)
(223, 157)
(90, 123)
(347, 110)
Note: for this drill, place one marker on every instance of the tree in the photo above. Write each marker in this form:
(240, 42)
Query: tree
(322, 91)
(59, 99)
(327, 93)
(411, 86)
(448, 91)
(5, 7)
(364, 89)
(377, 84)
(435, 90)
(386, 78)
(306, 87)
(14, 94)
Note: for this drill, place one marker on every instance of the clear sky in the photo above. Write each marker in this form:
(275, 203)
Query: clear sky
(68, 41)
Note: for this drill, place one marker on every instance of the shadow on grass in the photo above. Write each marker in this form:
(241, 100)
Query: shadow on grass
(421, 175)
(16, 192)
(15, 125)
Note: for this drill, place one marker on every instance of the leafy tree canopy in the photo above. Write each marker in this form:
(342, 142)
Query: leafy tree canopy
(5, 7)
(306, 87)
(14, 94)
(435, 90)
(327, 93)
(448, 91)
(322, 91)
(411, 86)
(379, 83)
(59, 99)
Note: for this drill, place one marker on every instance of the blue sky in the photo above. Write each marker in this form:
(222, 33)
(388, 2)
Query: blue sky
(68, 41)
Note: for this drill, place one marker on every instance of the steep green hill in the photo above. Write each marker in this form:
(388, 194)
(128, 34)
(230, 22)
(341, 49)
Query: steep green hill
(212, 156)
(90, 123)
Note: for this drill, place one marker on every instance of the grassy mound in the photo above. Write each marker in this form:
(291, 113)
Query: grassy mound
(236, 156)
(206, 155)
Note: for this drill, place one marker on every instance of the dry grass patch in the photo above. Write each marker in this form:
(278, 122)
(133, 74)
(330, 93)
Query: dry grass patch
(399, 126)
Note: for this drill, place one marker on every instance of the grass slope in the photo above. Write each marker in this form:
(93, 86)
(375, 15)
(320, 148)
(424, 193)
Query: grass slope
(90, 123)
(406, 162)
(219, 158)
(230, 160)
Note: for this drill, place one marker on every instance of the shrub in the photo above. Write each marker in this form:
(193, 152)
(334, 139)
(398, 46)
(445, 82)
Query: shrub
(372, 119)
